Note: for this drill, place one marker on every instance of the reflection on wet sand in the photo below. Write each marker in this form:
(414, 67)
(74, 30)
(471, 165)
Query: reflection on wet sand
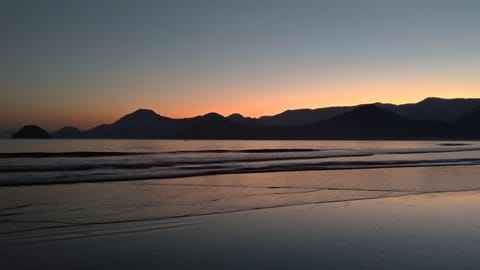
(346, 219)
(54, 206)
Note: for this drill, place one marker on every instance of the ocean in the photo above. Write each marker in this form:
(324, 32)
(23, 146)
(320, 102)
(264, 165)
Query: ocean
(175, 204)
(69, 161)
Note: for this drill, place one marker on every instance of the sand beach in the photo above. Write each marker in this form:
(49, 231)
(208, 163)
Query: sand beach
(399, 218)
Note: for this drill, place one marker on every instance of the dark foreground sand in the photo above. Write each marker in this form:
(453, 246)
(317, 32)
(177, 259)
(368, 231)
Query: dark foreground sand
(409, 218)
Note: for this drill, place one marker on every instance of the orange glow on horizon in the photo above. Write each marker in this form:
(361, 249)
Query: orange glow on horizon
(268, 99)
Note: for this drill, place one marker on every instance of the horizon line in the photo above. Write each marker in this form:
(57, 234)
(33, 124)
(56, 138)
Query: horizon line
(249, 117)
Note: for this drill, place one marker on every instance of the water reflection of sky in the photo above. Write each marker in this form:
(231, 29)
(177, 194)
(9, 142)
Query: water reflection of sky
(403, 218)
(415, 232)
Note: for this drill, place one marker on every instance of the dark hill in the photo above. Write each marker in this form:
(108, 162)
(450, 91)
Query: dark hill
(302, 116)
(140, 117)
(147, 124)
(437, 109)
(429, 119)
(68, 133)
(138, 124)
(240, 119)
(209, 117)
(472, 118)
(31, 132)
(213, 126)
(372, 122)
(471, 121)
(369, 115)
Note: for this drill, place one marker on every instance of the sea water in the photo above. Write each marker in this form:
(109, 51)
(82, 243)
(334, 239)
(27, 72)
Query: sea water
(245, 204)
(68, 161)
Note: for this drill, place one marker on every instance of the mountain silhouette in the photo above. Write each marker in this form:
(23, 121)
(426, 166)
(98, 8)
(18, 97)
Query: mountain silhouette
(432, 108)
(369, 121)
(240, 119)
(68, 133)
(139, 124)
(31, 132)
(437, 109)
(147, 124)
(303, 116)
(471, 121)
(373, 122)
(211, 126)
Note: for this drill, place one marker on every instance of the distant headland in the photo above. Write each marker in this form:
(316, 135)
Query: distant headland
(31, 132)
(431, 118)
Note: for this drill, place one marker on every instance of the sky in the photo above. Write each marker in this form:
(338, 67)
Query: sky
(85, 62)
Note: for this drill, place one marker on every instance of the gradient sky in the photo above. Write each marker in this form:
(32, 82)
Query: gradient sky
(87, 62)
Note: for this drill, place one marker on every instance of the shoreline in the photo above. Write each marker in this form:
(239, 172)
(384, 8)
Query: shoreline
(414, 231)
(383, 218)
(440, 163)
(190, 196)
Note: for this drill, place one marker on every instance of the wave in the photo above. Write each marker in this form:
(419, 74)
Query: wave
(427, 151)
(162, 163)
(252, 151)
(87, 154)
(86, 166)
(94, 154)
(454, 144)
(83, 154)
(96, 176)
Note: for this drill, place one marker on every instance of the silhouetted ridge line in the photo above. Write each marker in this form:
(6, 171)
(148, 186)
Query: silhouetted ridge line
(31, 132)
(432, 118)
(434, 108)
(68, 133)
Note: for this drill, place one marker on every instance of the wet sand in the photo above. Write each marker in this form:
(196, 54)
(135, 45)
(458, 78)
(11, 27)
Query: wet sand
(404, 218)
